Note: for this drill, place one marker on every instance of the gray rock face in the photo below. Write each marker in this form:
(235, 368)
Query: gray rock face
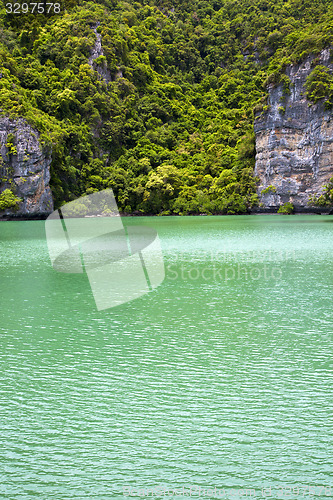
(294, 142)
(24, 168)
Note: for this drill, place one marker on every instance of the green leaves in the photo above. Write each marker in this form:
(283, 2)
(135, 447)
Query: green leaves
(287, 208)
(171, 127)
(9, 200)
(325, 199)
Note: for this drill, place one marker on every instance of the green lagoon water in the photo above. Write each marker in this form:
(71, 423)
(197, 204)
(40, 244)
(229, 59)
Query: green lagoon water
(221, 377)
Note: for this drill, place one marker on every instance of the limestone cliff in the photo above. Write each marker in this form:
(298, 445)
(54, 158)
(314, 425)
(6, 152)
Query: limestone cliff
(24, 168)
(294, 142)
(96, 52)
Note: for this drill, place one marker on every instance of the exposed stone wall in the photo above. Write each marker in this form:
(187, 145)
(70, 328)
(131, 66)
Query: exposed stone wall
(24, 168)
(96, 52)
(294, 142)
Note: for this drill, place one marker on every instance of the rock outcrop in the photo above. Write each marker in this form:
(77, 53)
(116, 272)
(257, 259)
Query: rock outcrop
(294, 142)
(96, 52)
(24, 169)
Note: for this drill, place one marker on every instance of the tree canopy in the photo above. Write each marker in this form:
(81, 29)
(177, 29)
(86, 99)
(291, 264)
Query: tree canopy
(165, 115)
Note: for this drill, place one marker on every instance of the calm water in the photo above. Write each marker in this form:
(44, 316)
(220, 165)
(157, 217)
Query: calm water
(221, 377)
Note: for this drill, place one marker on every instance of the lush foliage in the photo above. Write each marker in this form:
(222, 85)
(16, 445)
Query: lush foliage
(169, 124)
(9, 200)
(287, 208)
(319, 85)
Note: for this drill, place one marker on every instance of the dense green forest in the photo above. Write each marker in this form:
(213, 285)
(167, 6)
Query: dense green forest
(165, 116)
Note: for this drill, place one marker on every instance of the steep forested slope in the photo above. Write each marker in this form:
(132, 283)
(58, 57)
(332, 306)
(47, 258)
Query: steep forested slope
(155, 98)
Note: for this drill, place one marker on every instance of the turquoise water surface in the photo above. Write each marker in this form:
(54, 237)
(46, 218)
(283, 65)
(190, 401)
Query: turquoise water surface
(219, 378)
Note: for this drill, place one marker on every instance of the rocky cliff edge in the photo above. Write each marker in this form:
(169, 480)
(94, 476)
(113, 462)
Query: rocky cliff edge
(24, 169)
(294, 142)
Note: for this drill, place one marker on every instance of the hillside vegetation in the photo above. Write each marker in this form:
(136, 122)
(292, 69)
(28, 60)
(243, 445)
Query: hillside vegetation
(170, 128)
